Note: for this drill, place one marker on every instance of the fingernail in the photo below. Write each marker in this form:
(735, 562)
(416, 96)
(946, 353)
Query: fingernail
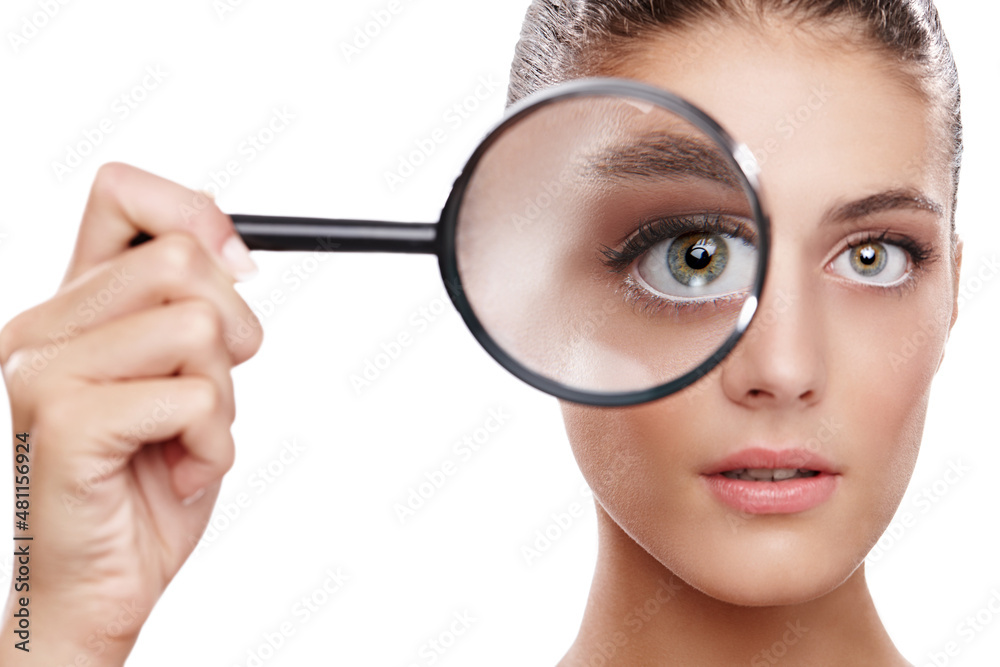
(236, 257)
(194, 497)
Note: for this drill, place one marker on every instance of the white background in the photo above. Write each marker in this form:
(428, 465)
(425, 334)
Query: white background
(332, 507)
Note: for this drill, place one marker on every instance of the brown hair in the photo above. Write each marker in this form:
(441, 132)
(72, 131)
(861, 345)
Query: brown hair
(567, 39)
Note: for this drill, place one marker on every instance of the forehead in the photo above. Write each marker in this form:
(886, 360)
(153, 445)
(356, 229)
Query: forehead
(829, 120)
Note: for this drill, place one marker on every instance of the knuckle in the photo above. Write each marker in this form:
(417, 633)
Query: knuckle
(205, 396)
(177, 256)
(227, 455)
(200, 324)
(110, 179)
(19, 332)
(18, 373)
(248, 337)
(11, 336)
(210, 400)
(31, 373)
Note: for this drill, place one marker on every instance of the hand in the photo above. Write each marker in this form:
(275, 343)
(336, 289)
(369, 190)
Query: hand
(122, 383)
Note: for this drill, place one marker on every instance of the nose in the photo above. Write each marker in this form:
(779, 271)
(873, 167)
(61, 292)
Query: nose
(779, 362)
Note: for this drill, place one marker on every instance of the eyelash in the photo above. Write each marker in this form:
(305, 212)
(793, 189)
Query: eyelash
(654, 231)
(921, 256)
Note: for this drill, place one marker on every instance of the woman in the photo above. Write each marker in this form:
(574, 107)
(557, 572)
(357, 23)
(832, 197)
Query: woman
(861, 197)
(883, 150)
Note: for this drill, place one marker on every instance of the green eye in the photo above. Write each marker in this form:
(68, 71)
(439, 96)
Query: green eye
(702, 258)
(869, 260)
(695, 260)
(873, 263)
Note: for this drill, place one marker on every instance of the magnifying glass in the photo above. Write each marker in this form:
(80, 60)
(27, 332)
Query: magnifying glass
(606, 242)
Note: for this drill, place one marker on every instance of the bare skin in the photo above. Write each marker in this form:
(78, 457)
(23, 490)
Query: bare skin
(129, 422)
(147, 361)
(681, 578)
(641, 614)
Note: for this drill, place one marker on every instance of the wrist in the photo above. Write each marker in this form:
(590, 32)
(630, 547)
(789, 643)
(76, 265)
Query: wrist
(42, 636)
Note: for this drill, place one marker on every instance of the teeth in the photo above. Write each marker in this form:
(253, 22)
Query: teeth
(769, 474)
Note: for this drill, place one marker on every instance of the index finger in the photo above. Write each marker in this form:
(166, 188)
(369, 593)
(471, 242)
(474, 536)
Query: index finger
(125, 200)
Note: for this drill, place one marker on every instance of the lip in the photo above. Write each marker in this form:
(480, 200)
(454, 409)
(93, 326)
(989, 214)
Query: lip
(785, 497)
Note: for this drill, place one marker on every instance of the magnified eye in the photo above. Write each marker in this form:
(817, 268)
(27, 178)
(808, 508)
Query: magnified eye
(698, 265)
(873, 263)
(694, 260)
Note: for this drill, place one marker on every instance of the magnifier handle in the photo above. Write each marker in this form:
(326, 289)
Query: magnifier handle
(262, 232)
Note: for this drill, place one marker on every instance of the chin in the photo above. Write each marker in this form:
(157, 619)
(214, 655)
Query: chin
(769, 587)
(761, 566)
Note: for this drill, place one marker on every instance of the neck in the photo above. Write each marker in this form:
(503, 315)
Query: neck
(639, 613)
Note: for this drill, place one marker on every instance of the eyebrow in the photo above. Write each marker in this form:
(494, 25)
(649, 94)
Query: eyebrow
(663, 155)
(890, 200)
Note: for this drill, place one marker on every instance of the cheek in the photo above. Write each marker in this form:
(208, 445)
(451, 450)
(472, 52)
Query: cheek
(879, 356)
(625, 455)
(640, 463)
(883, 356)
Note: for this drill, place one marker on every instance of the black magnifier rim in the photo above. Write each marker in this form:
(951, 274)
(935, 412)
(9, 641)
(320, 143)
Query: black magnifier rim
(740, 158)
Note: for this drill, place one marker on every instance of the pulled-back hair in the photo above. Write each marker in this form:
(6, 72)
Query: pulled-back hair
(568, 39)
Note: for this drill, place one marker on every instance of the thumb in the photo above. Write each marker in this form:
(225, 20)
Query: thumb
(125, 201)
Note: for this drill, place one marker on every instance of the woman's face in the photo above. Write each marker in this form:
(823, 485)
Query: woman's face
(840, 359)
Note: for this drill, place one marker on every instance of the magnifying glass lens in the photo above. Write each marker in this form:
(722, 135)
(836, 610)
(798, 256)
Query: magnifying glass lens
(607, 244)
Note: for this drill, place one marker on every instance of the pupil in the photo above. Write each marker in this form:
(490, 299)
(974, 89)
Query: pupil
(868, 255)
(699, 256)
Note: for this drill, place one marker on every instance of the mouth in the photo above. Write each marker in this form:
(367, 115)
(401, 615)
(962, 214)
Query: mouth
(769, 474)
(766, 481)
